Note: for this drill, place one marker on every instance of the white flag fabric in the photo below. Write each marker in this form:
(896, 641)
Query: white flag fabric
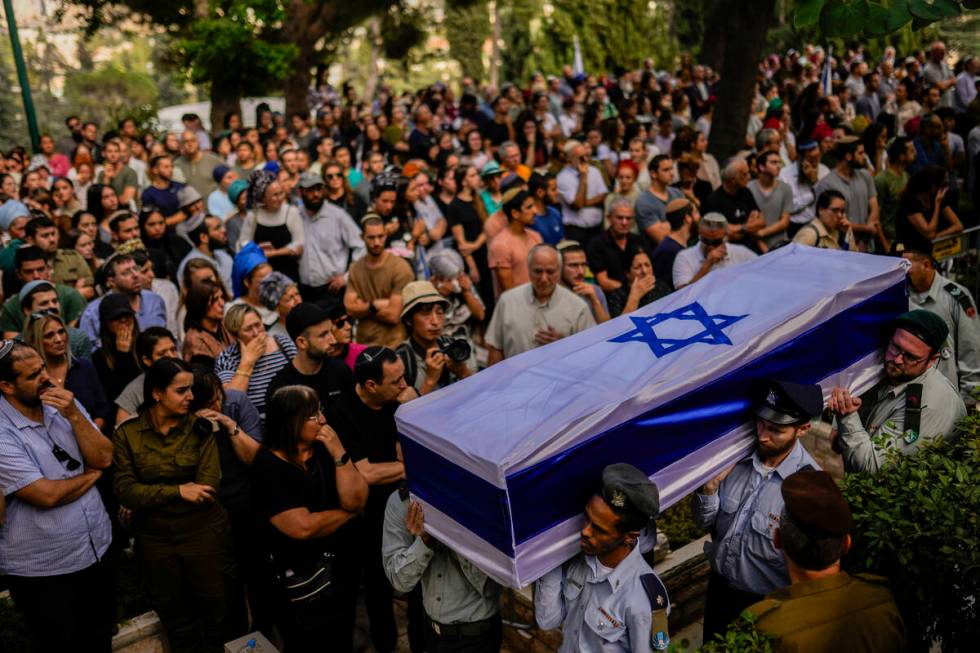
(577, 66)
(504, 462)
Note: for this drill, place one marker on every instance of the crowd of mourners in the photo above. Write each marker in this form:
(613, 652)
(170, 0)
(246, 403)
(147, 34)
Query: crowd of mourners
(207, 332)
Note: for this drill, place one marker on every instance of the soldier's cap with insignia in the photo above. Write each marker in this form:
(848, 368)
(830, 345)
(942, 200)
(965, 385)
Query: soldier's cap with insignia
(924, 325)
(785, 402)
(815, 503)
(626, 488)
(924, 248)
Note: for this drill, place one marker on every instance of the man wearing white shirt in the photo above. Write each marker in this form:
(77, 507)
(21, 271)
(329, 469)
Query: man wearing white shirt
(711, 252)
(801, 177)
(582, 192)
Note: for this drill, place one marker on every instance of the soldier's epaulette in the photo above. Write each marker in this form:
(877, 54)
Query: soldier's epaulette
(655, 591)
(764, 607)
(962, 298)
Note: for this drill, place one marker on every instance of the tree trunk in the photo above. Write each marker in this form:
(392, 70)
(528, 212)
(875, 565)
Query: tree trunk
(715, 34)
(495, 45)
(750, 20)
(224, 100)
(377, 51)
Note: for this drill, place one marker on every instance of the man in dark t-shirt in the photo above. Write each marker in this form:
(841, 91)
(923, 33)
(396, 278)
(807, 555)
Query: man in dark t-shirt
(734, 200)
(682, 216)
(364, 419)
(310, 328)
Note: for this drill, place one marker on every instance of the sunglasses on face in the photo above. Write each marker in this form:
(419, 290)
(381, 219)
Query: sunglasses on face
(341, 322)
(332, 175)
(66, 458)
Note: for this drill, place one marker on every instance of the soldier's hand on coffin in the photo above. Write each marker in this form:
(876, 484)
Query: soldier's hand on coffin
(415, 523)
(435, 361)
(712, 486)
(842, 403)
(547, 335)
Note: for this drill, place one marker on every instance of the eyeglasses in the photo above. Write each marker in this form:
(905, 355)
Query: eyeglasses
(838, 211)
(332, 175)
(895, 351)
(64, 457)
(317, 417)
(341, 322)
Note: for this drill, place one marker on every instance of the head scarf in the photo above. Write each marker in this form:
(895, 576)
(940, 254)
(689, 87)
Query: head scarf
(248, 258)
(259, 182)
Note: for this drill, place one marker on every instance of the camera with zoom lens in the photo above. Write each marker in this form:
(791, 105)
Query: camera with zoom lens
(456, 348)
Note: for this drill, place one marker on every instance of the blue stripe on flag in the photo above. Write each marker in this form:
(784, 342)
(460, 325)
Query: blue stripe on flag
(557, 488)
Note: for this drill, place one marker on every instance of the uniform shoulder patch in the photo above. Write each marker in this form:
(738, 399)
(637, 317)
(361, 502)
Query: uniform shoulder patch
(655, 591)
(962, 297)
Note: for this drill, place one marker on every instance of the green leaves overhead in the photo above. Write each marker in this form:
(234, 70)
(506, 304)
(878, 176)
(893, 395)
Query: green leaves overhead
(854, 17)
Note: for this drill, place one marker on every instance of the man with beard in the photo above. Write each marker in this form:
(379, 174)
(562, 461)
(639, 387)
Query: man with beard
(742, 505)
(607, 598)
(912, 404)
(56, 537)
(310, 327)
(210, 239)
(332, 242)
(850, 178)
(573, 268)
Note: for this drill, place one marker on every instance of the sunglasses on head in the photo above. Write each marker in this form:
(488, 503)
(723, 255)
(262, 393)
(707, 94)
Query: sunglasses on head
(64, 457)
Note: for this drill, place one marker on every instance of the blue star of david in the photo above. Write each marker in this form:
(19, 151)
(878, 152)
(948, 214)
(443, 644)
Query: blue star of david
(712, 334)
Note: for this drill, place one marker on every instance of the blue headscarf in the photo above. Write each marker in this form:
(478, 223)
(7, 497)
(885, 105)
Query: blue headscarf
(249, 257)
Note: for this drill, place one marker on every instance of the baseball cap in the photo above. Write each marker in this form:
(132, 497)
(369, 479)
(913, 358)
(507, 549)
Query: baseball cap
(114, 305)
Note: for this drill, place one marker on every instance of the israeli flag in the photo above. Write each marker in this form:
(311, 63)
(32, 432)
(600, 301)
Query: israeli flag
(827, 75)
(504, 462)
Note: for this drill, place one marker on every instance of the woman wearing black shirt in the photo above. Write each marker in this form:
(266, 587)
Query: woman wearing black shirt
(466, 217)
(306, 490)
(115, 359)
(922, 214)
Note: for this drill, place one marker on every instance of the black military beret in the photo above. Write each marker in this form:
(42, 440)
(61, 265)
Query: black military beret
(625, 487)
(816, 504)
(924, 325)
(785, 402)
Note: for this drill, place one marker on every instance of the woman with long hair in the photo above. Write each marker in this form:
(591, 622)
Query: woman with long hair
(250, 363)
(640, 289)
(307, 491)
(82, 243)
(875, 140)
(923, 214)
(115, 359)
(338, 190)
(46, 332)
(63, 193)
(474, 150)
(466, 217)
(102, 202)
(85, 221)
(205, 336)
(167, 472)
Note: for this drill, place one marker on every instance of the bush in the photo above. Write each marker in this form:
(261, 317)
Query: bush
(678, 524)
(918, 524)
(741, 637)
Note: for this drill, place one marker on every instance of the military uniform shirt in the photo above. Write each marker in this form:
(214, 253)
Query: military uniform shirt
(743, 513)
(600, 612)
(960, 362)
(856, 614)
(454, 590)
(864, 444)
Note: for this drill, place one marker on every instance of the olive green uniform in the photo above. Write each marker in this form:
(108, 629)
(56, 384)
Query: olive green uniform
(184, 549)
(852, 614)
(68, 267)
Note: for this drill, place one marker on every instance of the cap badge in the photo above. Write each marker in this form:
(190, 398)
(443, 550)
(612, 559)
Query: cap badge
(772, 398)
(618, 499)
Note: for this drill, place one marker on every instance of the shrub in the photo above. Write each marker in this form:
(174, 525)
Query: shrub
(918, 524)
(678, 524)
(741, 637)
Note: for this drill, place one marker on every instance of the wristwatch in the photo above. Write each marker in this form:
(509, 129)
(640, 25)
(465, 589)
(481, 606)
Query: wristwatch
(343, 460)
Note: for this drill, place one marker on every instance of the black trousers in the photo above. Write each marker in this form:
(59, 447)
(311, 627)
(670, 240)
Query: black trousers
(69, 612)
(484, 637)
(582, 234)
(723, 603)
(416, 621)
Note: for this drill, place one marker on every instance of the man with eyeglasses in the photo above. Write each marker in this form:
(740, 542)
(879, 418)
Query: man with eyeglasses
(913, 403)
(54, 545)
(123, 276)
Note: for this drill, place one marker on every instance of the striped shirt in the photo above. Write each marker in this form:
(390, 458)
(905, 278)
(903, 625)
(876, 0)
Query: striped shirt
(267, 367)
(46, 541)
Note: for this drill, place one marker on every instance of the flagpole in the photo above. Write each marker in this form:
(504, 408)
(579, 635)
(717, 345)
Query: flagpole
(25, 86)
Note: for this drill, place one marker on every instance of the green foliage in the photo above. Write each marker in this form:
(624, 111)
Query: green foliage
(677, 523)
(403, 28)
(467, 26)
(918, 524)
(855, 17)
(108, 94)
(232, 48)
(741, 637)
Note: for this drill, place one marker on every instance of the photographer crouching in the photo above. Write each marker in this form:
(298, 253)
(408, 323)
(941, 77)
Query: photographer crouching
(432, 360)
